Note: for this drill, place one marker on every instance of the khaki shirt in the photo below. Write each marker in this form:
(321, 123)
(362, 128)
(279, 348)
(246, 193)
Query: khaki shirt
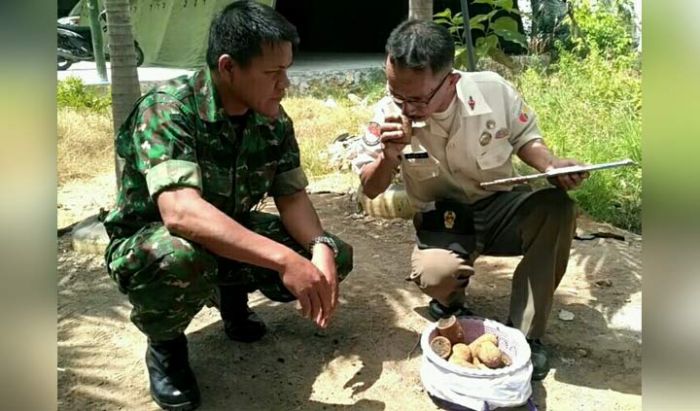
(492, 124)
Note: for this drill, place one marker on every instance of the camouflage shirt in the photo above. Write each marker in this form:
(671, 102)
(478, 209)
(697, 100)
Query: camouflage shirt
(179, 136)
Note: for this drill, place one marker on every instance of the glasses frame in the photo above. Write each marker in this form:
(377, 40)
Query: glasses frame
(425, 102)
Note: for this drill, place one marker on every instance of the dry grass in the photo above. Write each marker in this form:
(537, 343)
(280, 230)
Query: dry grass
(317, 124)
(85, 144)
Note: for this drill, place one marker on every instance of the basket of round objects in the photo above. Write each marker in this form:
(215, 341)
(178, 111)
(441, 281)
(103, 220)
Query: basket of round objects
(473, 363)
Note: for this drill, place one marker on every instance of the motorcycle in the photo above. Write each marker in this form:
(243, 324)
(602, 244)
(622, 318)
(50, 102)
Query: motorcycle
(75, 44)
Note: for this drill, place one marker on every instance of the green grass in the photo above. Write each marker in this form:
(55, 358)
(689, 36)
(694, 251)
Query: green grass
(72, 93)
(590, 110)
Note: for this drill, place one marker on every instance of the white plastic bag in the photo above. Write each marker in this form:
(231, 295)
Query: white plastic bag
(476, 388)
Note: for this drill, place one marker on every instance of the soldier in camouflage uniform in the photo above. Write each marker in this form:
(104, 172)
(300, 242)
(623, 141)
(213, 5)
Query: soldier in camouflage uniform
(200, 152)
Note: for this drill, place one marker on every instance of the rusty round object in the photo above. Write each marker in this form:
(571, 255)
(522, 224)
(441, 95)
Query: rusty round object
(451, 328)
(441, 346)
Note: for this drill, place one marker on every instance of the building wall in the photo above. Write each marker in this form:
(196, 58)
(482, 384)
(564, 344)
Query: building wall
(362, 26)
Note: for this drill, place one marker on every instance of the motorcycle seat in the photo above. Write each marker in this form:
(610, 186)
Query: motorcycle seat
(82, 30)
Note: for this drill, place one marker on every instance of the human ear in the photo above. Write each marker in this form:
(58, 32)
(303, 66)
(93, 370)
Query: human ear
(226, 67)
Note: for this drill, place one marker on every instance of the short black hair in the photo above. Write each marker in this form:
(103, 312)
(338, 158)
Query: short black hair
(241, 28)
(421, 44)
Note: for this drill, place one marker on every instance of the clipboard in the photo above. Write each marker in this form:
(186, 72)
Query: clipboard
(558, 172)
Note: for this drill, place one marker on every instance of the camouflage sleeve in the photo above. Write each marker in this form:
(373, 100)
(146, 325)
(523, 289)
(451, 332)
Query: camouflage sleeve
(289, 176)
(163, 140)
(521, 118)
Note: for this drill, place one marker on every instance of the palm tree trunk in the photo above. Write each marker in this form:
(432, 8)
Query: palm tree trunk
(125, 78)
(420, 9)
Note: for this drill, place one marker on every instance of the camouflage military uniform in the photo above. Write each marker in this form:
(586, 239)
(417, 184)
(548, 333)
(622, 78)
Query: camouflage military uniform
(179, 136)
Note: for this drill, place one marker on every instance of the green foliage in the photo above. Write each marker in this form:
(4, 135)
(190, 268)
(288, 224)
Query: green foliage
(590, 109)
(72, 93)
(604, 26)
(548, 24)
(504, 27)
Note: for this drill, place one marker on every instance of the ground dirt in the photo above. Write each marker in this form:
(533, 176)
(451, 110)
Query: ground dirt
(368, 358)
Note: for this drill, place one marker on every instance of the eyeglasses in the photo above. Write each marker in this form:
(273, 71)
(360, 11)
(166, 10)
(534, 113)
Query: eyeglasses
(419, 103)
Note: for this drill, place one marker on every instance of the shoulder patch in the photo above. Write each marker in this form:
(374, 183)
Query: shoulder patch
(373, 128)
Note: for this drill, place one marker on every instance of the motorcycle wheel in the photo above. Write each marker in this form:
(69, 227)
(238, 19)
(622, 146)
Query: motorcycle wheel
(63, 64)
(139, 55)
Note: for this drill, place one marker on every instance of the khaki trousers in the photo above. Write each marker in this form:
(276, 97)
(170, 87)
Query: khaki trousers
(538, 225)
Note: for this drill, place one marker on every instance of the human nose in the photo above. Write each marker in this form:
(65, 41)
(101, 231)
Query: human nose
(284, 82)
(409, 109)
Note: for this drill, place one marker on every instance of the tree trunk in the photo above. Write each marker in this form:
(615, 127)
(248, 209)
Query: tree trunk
(125, 78)
(420, 9)
(97, 41)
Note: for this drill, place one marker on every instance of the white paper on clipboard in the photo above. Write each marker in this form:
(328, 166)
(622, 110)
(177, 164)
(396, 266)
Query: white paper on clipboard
(557, 172)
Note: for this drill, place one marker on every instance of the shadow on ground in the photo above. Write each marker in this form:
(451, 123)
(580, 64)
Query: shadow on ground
(368, 359)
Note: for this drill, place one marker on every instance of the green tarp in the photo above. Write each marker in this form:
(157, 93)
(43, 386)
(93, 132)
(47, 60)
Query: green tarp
(171, 33)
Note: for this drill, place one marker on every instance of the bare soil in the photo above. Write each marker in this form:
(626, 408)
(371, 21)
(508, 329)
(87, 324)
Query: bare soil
(369, 358)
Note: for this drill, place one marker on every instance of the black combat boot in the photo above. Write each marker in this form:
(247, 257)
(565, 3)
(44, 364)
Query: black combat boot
(540, 359)
(538, 356)
(172, 382)
(240, 322)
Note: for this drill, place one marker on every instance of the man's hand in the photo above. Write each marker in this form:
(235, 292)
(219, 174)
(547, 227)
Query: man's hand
(310, 286)
(536, 154)
(566, 181)
(377, 175)
(393, 137)
(324, 260)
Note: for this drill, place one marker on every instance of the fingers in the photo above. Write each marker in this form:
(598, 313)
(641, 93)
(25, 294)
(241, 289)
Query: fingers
(566, 182)
(392, 129)
(305, 305)
(392, 137)
(325, 295)
(316, 309)
(387, 127)
(334, 296)
(316, 289)
(391, 119)
(319, 302)
(575, 180)
(571, 181)
(333, 303)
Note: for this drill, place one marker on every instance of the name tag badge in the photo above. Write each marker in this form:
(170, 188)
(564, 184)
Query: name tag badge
(415, 156)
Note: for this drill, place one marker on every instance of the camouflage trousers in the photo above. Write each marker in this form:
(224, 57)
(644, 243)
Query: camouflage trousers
(169, 279)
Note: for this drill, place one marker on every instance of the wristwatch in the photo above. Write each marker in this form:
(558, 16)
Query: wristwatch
(324, 239)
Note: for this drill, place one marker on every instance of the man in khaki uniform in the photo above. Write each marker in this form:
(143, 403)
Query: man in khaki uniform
(473, 124)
